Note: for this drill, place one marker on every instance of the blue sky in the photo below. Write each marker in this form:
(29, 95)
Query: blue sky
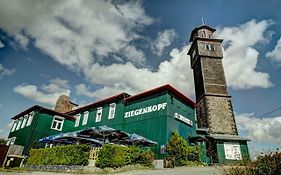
(95, 49)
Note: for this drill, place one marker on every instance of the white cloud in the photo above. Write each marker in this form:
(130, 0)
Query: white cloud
(4, 71)
(260, 129)
(240, 56)
(164, 39)
(104, 92)
(47, 94)
(1, 44)
(82, 34)
(126, 77)
(275, 54)
(72, 31)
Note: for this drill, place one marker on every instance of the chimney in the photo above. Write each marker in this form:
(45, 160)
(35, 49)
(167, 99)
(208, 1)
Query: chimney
(64, 104)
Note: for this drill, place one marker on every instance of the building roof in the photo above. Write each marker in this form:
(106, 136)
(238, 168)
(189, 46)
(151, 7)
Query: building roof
(99, 103)
(44, 110)
(198, 28)
(166, 87)
(227, 137)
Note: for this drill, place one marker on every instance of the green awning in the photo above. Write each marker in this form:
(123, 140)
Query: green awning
(226, 137)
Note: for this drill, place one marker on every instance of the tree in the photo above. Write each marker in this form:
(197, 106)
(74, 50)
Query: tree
(178, 149)
(183, 154)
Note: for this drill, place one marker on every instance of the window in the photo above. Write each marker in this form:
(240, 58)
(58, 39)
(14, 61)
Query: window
(77, 121)
(30, 118)
(57, 123)
(19, 123)
(210, 47)
(85, 117)
(99, 114)
(24, 121)
(14, 125)
(202, 34)
(11, 141)
(111, 113)
(48, 145)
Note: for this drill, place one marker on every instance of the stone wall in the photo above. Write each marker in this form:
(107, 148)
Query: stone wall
(218, 112)
(64, 104)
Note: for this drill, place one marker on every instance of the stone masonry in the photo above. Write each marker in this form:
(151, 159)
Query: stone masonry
(214, 110)
(64, 104)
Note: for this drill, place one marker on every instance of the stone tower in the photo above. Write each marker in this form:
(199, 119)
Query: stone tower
(214, 110)
(64, 104)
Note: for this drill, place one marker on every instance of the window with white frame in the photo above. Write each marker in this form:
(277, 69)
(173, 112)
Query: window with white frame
(77, 121)
(85, 117)
(111, 113)
(48, 145)
(24, 121)
(57, 123)
(99, 114)
(11, 141)
(14, 125)
(19, 123)
(30, 118)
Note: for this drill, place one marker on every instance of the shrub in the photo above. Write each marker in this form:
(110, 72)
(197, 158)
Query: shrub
(115, 156)
(264, 165)
(183, 154)
(60, 155)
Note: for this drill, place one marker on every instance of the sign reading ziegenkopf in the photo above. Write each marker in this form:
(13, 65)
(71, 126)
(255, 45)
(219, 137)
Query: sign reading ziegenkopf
(148, 109)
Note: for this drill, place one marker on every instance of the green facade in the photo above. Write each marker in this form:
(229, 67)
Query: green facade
(221, 152)
(40, 127)
(152, 117)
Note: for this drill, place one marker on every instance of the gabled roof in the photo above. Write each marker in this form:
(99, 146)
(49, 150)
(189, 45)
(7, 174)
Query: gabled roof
(198, 28)
(166, 87)
(44, 110)
(99, 103)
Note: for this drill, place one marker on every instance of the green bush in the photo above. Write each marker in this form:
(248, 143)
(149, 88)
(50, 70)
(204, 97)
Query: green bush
(183, 154)
(60, 155)
(115, 156)
(264, 165)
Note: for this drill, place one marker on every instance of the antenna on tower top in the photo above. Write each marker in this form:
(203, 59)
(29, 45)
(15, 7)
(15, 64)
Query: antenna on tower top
(203, 22)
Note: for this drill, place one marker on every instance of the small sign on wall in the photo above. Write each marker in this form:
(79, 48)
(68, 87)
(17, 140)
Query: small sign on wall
(232, 151)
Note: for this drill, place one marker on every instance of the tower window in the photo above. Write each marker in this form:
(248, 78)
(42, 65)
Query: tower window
(202, 34)
(210, 47)
(99, 114)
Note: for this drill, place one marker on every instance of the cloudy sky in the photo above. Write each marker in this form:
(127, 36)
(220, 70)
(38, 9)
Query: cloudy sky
(95, 49)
